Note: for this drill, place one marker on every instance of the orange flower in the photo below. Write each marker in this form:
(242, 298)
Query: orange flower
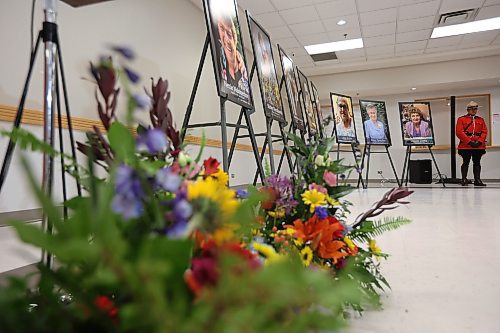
(332, 250)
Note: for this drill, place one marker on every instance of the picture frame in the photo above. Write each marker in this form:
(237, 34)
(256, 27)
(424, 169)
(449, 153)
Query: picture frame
(310, 116)
(416, 124)
(343, 118)
(375, 122)
(317, 104)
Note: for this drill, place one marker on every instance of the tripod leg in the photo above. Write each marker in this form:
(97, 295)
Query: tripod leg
(269, 123)
(368, 151)
(255, 147)
(61, 145)
(362, 166)
(436, 165)
(19, 115)
(408, 166)
(404, 167)
(68, 118)
(235, 136)
(392, 165)
(225, 162)
(285, 151)
(262, 154)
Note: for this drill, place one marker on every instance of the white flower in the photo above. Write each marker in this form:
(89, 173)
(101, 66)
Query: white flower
(320, 160)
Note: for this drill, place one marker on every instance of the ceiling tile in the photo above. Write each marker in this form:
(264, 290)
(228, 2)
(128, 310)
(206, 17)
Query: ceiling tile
(314, 39)
(302, 60)
(357, 53)
(279, 32)
(336, 8)
(456, 5)
(491, 2)
(413, 36)
(445, 41)
(299, 15)
(297, 52)
(479, 38)
(411, 46)
(327, 63)
(307, 28)
(379, 29)
(441, 49)
(408, 53)
(488, 12)
(287, 4)
(410, 2)
(378, 50)
(496, 41)
(331, 23)
(379, 41)
(379, 56)
(379, 16)
(426, 22)
(370, 5)
(422, 9)
(257, 7)
(288, 42)
(270, 20)
(336, 36)
(353, 59)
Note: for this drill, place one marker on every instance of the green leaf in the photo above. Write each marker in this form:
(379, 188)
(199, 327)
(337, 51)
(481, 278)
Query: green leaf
(122, 142)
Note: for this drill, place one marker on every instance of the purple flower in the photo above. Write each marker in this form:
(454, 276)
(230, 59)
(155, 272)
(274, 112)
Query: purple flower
(126, 52)
(153, 141)
(182, 210)
(142, 101)
(132, 76)
(321, 212)
(283, 187)
(177, 230)
(127, 200)
(168, 180)
(241, 193)
(127, 207)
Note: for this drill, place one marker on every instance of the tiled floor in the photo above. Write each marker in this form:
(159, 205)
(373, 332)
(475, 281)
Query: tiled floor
(444, 268)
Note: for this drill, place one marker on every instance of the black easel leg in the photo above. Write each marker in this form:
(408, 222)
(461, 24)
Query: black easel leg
(187, 116)
(408, 166)
(68, 118)
(436, 165)
(235, 136)
(262, 154)
(368, 151)
(362, 166)
(286, 151)
(255, 147)
(403, 173)
(358, 167)
(225, 162)
(19, 115)
(61, 146)
(392, 165)
(269, 123)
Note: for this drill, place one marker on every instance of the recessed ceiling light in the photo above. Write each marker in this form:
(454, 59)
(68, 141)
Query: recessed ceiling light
(342, 45)
(466, 28)
(413, 89)
(341, 22)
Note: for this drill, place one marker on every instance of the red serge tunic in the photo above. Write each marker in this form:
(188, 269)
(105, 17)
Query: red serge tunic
(471, 128)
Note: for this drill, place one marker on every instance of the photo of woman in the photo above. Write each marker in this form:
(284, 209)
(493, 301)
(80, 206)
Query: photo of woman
(416, 123)
(375, 125)
(345, 129)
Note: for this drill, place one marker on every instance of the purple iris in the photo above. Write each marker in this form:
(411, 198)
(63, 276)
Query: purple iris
(127, 200)
(283, 186)
(241, 193)
(132, 76)
(142, 101)
(177, 230)
(182, 210)
(153, 141)
(168, 180)
(321, 212)
(126, 52)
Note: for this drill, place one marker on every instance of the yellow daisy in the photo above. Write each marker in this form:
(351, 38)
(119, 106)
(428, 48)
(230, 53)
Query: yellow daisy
(333, 202)
(211, 189)
(306, 255)
(314, 199)
(374, 248)
(221, 177)
(279, 213)
(349, 243)
(267, 251)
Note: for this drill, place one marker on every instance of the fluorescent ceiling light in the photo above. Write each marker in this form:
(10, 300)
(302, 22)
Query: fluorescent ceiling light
(466, 28)
(413, 89)
(349, 44)
(341, 22)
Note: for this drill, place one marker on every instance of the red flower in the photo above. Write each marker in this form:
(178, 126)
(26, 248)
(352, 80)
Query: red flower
(211, 166)
(271, 197)
(106, 305)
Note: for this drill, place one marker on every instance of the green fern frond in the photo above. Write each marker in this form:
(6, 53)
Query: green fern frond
(371, 229)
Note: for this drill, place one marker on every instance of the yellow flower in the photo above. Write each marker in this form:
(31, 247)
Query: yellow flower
(290, 231)
(298, 242)
(306, 255)
(333, 202)
(374, 248)
(267, 251)
(314, 199)
(224, 234)
(221, 177)
(349, 243)
(211, 189)
(279, 213)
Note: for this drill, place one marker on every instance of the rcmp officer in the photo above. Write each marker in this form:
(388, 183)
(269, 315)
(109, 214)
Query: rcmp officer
(472, 131)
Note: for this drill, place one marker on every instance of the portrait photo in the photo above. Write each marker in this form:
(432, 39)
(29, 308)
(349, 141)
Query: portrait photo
(228, 52)
(343, 117)
(416, 123)
(307, 102)
(317, 105)
(266, 71)
(375, 124)
(292, 90)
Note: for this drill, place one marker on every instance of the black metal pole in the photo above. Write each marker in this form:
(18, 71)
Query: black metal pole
(223, 127)
(453, 148)
(255, 147)
(436, 165)
(362, 166)
(235, 136)
(269, 123)
(61, 146)
(368, 152)
(262, 153)
(392, 165)
(185, 123)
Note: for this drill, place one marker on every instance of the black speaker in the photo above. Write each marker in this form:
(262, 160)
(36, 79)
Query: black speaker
(421, 171)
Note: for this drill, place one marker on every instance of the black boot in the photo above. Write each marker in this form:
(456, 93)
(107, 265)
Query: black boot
(477, 175)
(464, 168)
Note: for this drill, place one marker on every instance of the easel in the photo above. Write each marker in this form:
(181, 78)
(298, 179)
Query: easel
(367, 152)
(355, 152)
(269, 138)
(406, 165)
(244, 112)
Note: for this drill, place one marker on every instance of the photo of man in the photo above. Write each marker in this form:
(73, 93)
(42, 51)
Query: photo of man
(308, 107)
(416, 124)
(266, 71)
(375, 124)
(344, 118)
(228, 52)
(292, 91)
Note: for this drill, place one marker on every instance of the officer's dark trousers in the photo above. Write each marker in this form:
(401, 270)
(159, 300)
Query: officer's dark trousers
(476, 155)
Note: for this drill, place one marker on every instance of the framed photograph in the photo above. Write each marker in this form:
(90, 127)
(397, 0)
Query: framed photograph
(266, 71)
(317, 105)
(307, 103)
(375, 124)
(228, 52)
(416, 123)
(292, 91)
(343, 118)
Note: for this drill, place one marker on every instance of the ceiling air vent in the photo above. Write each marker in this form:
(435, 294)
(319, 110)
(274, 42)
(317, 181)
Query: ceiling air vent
(324, 56)
(461, 16)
